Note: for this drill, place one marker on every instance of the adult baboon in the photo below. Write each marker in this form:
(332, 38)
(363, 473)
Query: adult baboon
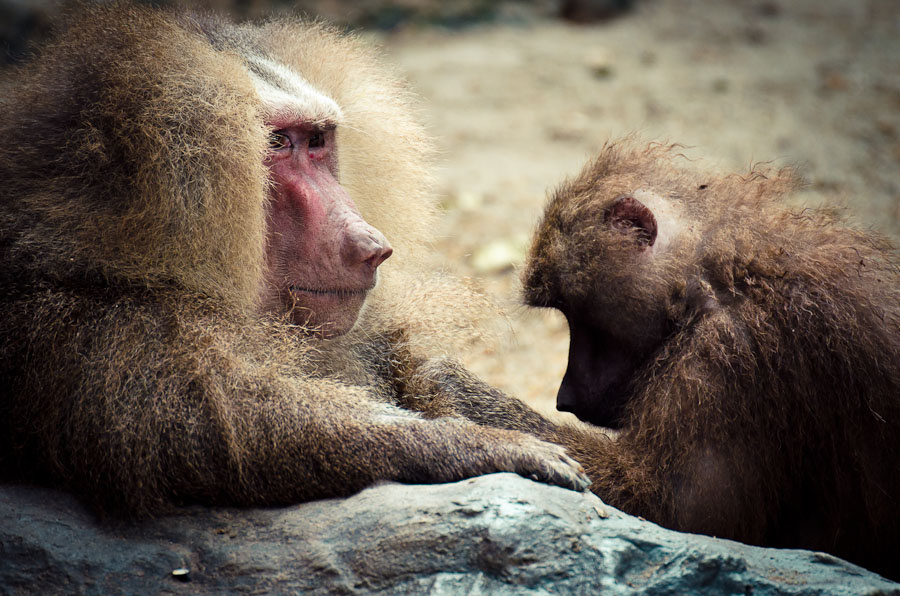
(182, 272)
(748, 352)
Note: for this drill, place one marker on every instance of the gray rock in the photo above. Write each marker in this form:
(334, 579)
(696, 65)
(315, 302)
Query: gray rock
(497, 534)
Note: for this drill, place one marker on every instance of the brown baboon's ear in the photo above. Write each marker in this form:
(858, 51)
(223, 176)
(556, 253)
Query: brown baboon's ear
(627, 213)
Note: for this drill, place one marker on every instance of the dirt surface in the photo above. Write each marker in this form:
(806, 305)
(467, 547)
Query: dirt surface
(515, 108)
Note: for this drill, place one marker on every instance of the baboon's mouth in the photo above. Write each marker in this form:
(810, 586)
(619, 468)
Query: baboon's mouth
(331, 292)
(326, 312)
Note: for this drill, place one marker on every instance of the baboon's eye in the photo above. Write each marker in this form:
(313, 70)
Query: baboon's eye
(317, 140)
(279, 140)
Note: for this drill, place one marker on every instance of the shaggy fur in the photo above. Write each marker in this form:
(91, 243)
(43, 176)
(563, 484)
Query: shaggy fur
(135, 368)
(764, 402)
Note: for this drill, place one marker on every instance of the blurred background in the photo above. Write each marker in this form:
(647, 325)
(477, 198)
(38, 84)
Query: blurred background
(520, 94)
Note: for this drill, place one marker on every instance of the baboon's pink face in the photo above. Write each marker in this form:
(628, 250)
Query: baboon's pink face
(321, 255)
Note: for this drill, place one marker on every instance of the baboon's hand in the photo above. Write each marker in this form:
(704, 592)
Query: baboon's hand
(479, 450)
(546, 462)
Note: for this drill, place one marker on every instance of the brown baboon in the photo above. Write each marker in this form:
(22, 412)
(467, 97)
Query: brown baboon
(182, 272)
(747, 352)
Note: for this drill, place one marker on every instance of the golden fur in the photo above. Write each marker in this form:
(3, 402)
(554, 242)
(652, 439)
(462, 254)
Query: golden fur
(135, 368)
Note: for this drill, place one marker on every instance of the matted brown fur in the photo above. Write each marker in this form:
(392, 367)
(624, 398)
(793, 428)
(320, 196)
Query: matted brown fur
(135, 369)
(765, 406)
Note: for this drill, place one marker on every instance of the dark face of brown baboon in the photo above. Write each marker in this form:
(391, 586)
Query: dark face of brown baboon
(603, 355)
(748, 353)
(616, 317)
(191, 218)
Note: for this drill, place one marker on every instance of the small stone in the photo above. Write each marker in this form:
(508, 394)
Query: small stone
(721, 85)
(573, 127)
(182, 574)
(497, 256)
(467, 200)
(599, 63)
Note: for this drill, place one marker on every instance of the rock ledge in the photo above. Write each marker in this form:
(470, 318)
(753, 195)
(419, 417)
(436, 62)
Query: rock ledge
(498, 534)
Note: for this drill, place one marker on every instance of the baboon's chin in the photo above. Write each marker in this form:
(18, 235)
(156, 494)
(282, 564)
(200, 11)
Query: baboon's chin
(327, 314)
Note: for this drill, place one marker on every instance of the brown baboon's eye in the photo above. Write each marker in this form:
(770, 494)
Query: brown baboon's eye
(317, 140)
(278, 141)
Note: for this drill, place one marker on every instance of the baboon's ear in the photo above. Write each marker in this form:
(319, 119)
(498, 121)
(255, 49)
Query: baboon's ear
(627, 213)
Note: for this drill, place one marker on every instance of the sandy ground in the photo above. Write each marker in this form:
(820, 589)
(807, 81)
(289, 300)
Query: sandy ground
(515, 108)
